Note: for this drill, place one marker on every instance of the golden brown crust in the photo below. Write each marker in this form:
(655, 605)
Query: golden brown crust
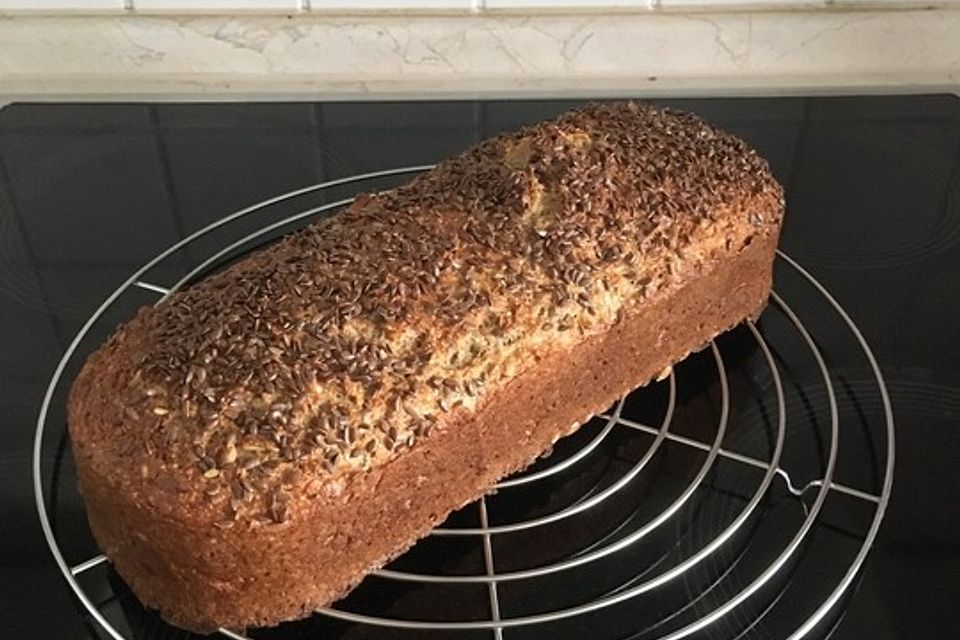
(311, 396)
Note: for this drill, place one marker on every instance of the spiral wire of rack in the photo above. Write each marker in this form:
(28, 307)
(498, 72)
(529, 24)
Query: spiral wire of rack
(625, 535)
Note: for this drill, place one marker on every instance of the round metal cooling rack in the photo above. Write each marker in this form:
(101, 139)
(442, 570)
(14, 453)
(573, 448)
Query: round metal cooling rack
(704, 547)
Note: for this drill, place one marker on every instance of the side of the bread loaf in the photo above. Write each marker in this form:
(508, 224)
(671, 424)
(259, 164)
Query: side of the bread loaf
(202, 577)
(253, 447)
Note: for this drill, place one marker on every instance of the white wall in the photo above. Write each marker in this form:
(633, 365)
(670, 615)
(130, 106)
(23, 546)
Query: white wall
(147, 7)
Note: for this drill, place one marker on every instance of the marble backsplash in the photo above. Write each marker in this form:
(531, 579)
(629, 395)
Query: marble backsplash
(315, 56)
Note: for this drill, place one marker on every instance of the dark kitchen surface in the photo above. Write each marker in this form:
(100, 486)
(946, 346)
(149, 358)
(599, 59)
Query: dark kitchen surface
(88, 193)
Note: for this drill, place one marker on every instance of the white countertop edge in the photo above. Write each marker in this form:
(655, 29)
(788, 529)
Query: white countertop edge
(228, 92)
(314, 58)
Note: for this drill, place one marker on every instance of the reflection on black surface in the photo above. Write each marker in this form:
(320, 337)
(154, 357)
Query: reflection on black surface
(88, 193)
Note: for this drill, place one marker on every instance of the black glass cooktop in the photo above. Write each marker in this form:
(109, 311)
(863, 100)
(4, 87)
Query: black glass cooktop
(89, 193)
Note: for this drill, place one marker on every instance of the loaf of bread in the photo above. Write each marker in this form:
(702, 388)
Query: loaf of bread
(255, 444)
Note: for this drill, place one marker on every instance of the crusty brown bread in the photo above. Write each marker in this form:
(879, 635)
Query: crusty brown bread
(254, 445)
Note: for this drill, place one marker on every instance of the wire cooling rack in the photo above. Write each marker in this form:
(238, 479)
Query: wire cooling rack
(738, 497)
